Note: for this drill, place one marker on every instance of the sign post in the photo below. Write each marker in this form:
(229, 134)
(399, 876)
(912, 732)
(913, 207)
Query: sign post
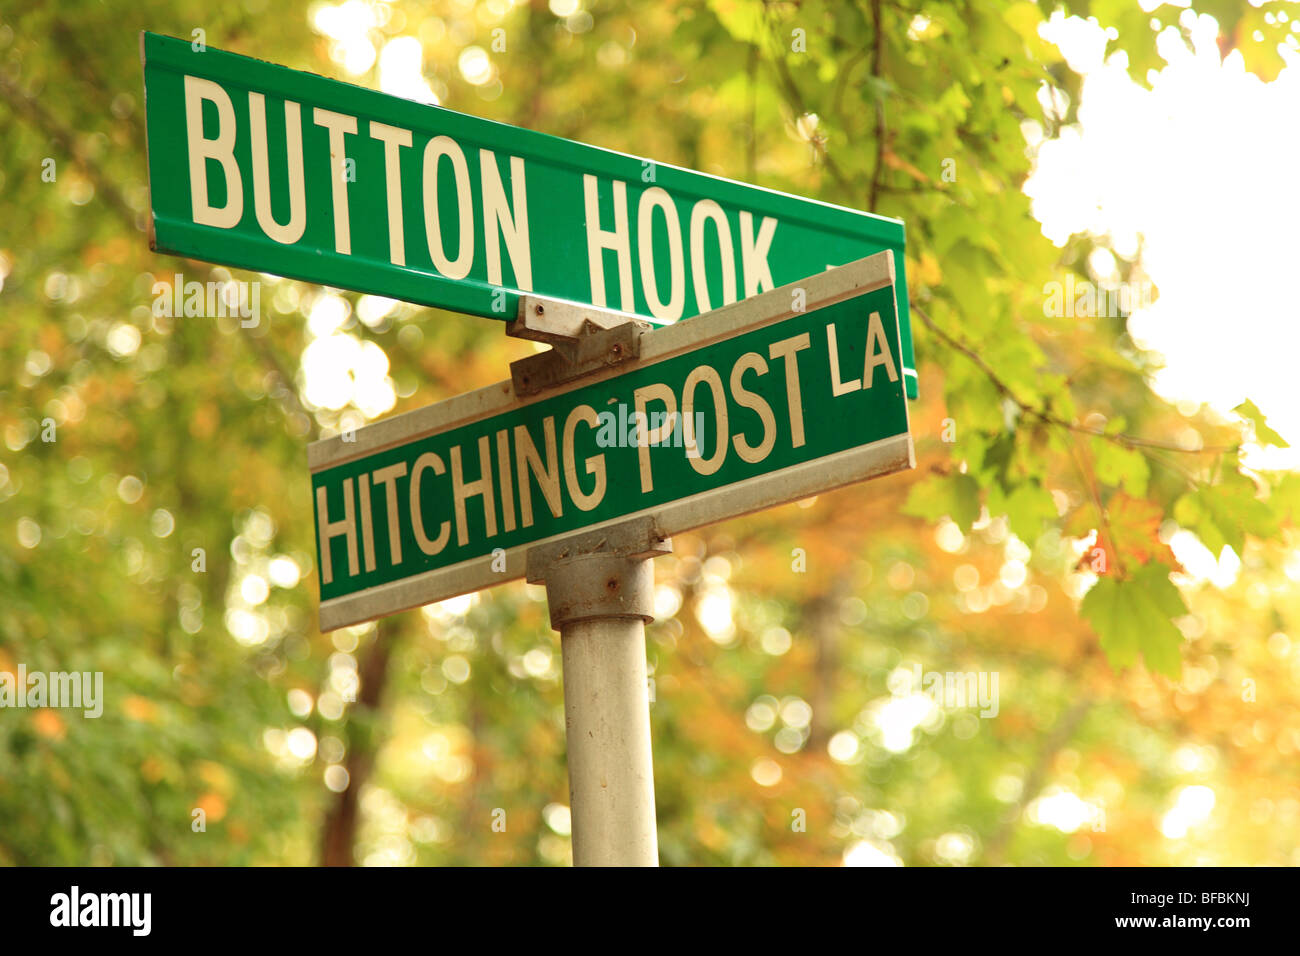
(600, 588)
(576, 471)
(600, 591)
(772, 399)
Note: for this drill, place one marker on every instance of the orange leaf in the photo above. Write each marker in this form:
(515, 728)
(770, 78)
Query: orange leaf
(1134, 526)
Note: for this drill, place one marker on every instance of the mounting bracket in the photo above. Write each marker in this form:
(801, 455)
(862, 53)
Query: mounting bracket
(583, 339)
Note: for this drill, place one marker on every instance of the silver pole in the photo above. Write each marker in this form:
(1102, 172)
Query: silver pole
(600, 601)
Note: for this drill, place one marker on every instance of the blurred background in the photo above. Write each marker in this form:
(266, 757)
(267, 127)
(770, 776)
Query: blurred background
(1102, 520)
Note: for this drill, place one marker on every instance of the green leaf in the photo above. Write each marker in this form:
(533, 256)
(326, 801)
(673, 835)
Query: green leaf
(1133, 616)
(956, 496)
(1263, 434)
(1284, 499)
(1120, 467)
(1027, 506)
(988, 455)
(1189, 513)
(1225, 513)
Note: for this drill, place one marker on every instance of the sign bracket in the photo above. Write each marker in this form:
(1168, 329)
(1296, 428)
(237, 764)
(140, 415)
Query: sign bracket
(584, 340)
(637, 539)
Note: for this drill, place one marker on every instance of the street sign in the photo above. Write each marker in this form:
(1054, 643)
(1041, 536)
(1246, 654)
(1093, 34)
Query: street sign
(275, 170)
(778, 397)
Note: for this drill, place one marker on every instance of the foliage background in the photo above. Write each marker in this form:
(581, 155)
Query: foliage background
(1119, 710)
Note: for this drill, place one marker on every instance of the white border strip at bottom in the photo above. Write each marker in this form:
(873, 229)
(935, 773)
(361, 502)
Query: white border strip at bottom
(881, 457)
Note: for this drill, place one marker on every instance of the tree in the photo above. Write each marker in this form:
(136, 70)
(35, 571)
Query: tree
(163, 536)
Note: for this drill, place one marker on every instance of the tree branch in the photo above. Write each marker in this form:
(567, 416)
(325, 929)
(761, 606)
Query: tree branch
(877, 54)
(339, 831)
(1048, 418)
(795, 100)
(1104, 535)
(28, 107)
(996, 844)
(820, 617)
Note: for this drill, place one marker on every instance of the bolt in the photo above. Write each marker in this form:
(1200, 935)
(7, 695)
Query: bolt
(540, 310)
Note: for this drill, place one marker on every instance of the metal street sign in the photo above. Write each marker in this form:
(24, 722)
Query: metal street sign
(769, 400)
(275, 170)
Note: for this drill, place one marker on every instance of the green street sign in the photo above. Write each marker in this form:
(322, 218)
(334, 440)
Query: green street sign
(279, 171)
(778, 397)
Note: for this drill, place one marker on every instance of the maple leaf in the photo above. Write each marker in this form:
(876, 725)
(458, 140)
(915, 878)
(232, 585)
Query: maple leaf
(1134, 526)
(1133, 615)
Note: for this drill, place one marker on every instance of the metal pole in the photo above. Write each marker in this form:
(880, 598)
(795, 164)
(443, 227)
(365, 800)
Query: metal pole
(600, 600)
(600, 588)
